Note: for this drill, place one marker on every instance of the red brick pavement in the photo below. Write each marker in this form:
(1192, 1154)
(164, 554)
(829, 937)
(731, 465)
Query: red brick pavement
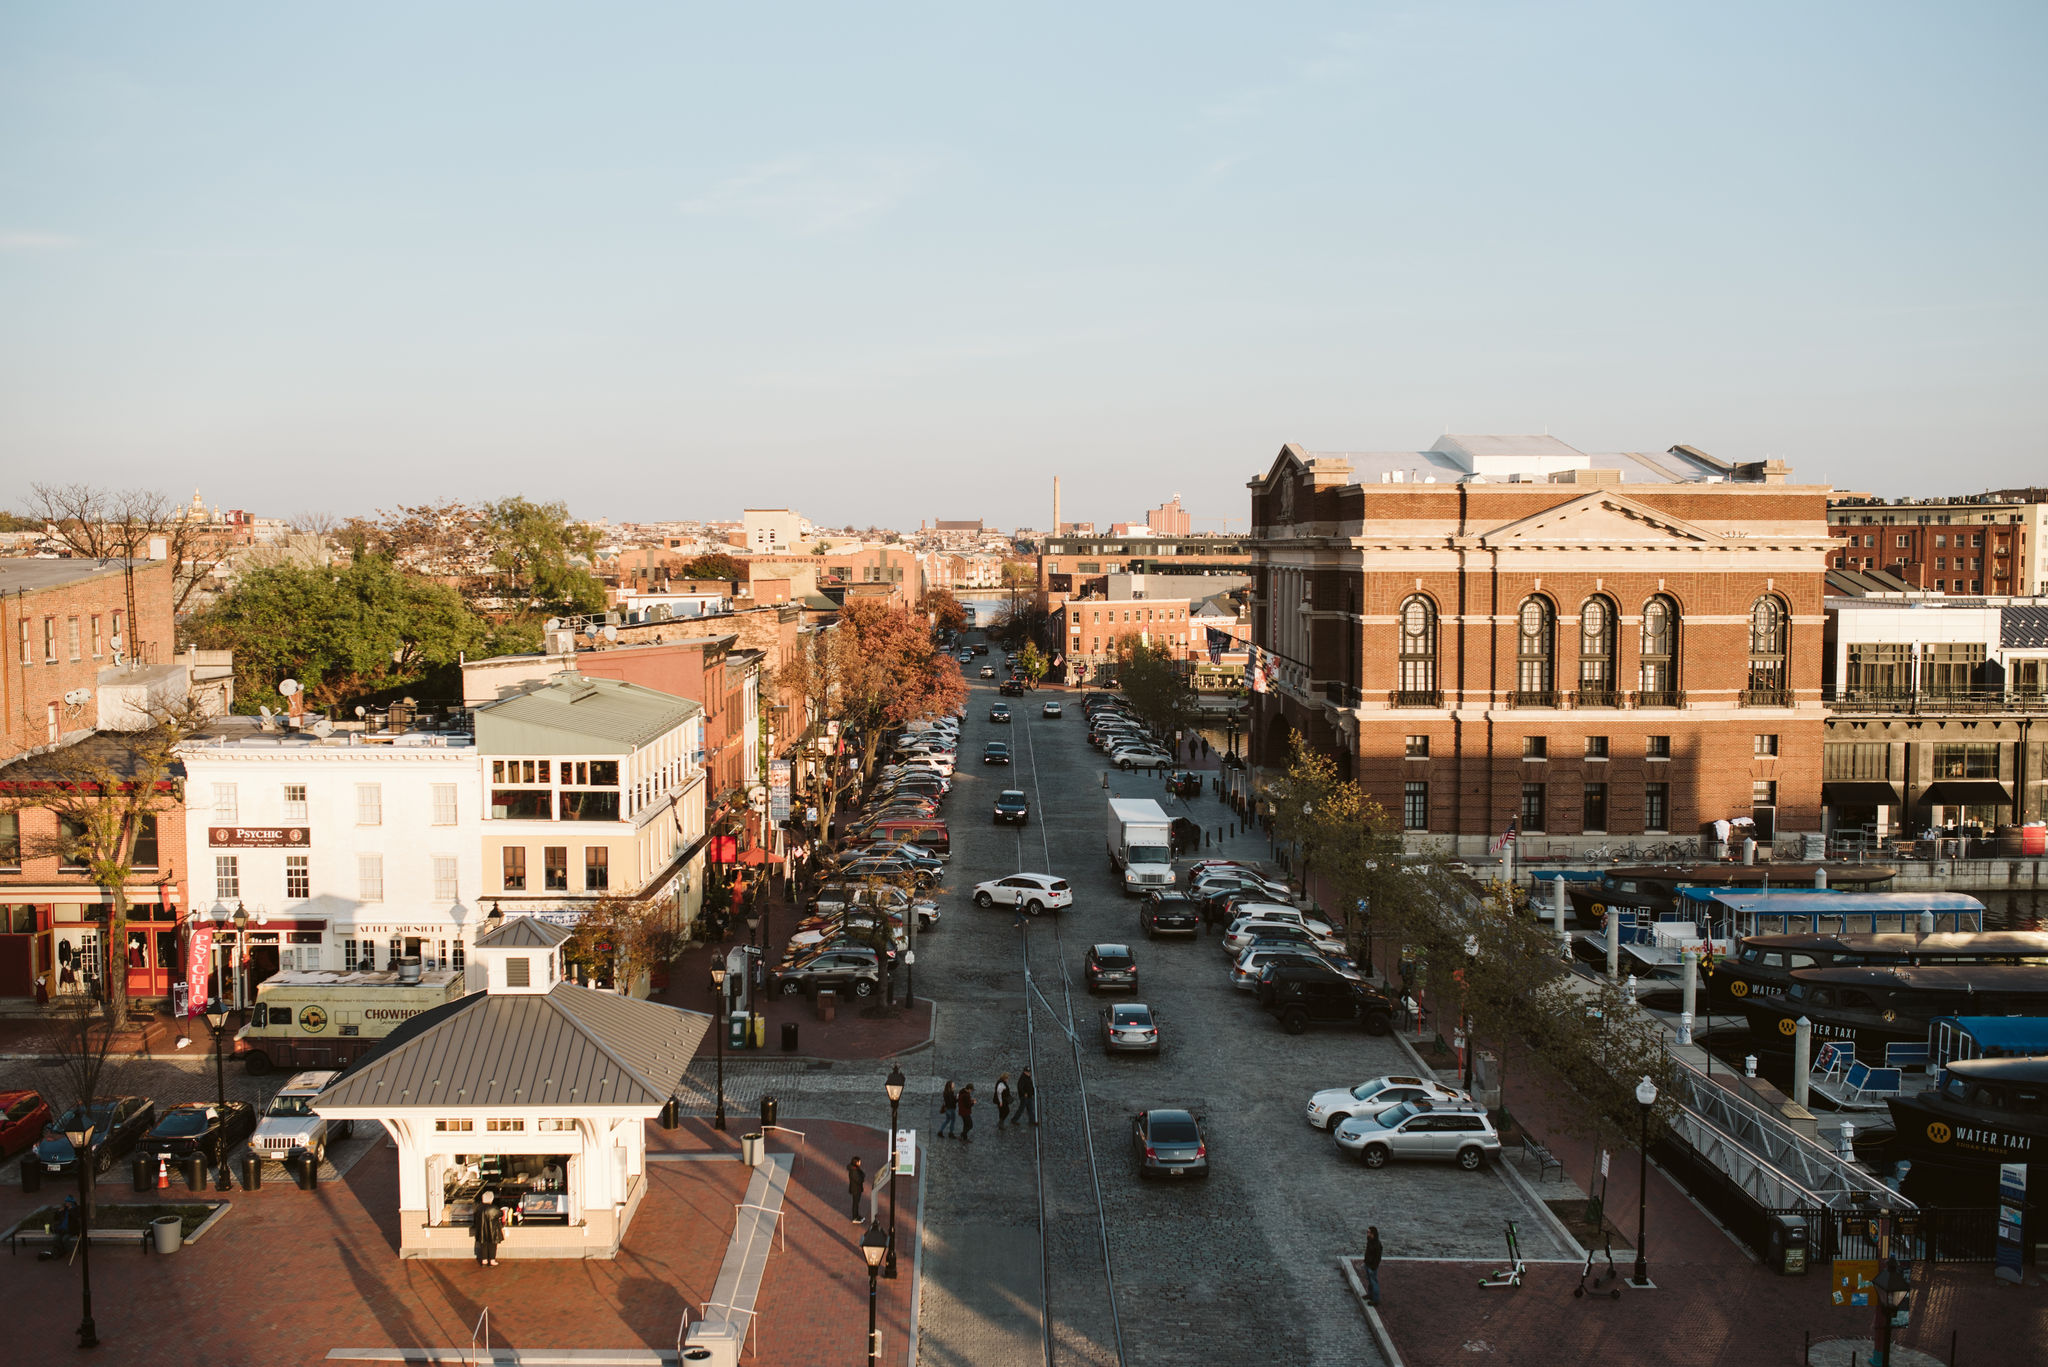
(1703, 1315)
(288, 1274)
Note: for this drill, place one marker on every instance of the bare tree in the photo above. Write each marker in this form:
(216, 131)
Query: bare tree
(310, 523)
(101, 793)
(85, 1037)
(120, 524)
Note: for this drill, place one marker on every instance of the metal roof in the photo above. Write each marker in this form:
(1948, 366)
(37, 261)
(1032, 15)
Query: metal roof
(19, 575)
(575, 710)
(2023, 625)
(571, 1046)
(524, 932)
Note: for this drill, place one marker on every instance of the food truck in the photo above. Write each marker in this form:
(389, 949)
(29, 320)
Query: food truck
(325, 1018)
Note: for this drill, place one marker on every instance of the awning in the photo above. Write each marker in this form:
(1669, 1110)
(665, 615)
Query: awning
(1966, 792)
(1864, 793)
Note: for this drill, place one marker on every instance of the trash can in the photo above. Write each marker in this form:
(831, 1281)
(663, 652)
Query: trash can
(169, 1233)
(252, 1171)
(736, 1036)
(789, 1037)
(195, 1172)
(752, 1149)
(144, 1172)
(1786, 1248)
(31, 1173)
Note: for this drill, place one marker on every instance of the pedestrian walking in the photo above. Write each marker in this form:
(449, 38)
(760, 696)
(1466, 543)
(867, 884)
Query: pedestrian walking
(856, 1185)
(1017, 921)
(487, 1231)
(1372, 1264)
(1027, 1098)
(967, 1114)
(1003, 1098)
(949, 1108)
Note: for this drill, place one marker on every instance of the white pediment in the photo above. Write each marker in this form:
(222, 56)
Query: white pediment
(1600, 519)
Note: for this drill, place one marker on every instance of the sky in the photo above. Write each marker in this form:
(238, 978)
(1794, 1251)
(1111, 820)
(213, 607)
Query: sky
(889, 263)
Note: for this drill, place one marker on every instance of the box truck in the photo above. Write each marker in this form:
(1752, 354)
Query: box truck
(1140, 844)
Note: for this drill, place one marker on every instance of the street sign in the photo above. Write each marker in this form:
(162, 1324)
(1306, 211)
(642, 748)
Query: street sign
(1603, 1162)
(778, 790)
(906, 1153)
(2012, 1199)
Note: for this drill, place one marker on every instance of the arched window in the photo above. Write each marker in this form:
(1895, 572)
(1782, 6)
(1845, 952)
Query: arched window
(1770, 631)
(1418, 654)
(1596, 653)
(1657, 674)
(1536, 654)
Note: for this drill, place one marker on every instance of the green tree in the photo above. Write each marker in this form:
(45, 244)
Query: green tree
(1158, 686)
(346, 634)
(716, 565)
(542, 555)
(1032, 663)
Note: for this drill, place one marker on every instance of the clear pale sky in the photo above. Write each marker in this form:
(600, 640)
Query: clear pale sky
(890, 262)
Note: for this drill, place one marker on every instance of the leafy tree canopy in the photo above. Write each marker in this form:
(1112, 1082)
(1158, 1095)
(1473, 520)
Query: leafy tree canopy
(944, 610)
(544, 555)
(713, 565)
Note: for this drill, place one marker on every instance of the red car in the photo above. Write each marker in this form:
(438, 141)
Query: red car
(22, 1118)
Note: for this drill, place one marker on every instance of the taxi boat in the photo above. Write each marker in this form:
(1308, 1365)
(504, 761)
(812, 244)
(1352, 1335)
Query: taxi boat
(1982, 1111)
(1762, 965)
(1872, 1007)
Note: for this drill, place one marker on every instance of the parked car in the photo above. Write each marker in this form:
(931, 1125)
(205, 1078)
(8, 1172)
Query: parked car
(1246, 929)
(1457, 1133)
(1217, 886)
(1320, 996)
(118, 1124)
(1051, 709)
(1000, 714)
(1184, 783)
(1333, 1106)
(1141, 757)
(290, 1122)
(23, 1115)
(1012, 805)
(1167, 1143)
(203, 1127)
(843, 969)
(883, 866)
(995, 752)
(1168, 913)
(1129, 1028)
(1109, 966)
(1035, 892)
(1250, 966)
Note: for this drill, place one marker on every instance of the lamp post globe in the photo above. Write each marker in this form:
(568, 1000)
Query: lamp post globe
(1646, 1098)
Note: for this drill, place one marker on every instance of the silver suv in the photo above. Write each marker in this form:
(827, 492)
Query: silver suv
(1420, 1129)
(289, 1123)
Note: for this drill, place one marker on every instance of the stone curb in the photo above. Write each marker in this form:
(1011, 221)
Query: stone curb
(1372, 1317)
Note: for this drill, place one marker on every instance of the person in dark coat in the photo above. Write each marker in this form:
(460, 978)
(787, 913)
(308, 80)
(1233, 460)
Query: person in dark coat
(1373, 1253)
(856, 1184)
(488, 1229)
(1003, 1095)
(967, 1114)
(1027, 1098)
(949, 1108)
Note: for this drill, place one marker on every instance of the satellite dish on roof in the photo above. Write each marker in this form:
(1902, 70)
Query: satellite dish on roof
(288, 687)
(323, 728)
(362, 711)
(554, 624)
(611, 633)
(591, 631)
(265, 711)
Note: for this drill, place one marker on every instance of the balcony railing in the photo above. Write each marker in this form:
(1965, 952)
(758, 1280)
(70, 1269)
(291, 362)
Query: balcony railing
(1419, 697)
(1535, 698)
(1669, 697)
(1596, 697)
(1766, 697)
(1935, 701)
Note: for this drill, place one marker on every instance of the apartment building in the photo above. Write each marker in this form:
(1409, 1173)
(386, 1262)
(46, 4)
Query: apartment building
(1975, 544)
(62, 622)
(1506, 630)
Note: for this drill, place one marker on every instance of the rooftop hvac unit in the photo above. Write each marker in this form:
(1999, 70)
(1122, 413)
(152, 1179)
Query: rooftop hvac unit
(561, 643)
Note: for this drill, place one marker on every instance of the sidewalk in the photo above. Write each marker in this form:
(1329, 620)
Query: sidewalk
(41, 1036)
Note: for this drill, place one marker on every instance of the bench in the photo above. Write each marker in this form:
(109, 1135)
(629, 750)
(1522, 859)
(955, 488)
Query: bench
(1545, 1159)
(18, 1237)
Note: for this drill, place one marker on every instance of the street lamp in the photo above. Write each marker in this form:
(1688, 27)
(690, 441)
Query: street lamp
(217, 1020)
(718, 1036)
(81, 1141)
(1894, 1285)
(874, 1245)
(241, 953)
(893, 1085)
(1646, 1097)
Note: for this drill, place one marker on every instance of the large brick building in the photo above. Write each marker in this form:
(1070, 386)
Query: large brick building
(1505, 628)
(61, 623)
(1974, 544)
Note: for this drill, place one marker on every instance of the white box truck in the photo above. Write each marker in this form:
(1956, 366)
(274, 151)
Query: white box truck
(1140, 844)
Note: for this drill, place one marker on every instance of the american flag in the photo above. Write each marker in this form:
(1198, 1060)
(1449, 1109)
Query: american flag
(1507, 837)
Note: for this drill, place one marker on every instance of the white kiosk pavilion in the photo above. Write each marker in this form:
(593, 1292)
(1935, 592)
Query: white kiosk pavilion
(534, 1088)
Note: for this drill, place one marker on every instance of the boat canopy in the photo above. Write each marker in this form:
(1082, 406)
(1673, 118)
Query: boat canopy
(1818, 911)
(1953, 1038)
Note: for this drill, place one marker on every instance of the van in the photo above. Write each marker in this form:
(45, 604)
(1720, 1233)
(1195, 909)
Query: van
(927, 831)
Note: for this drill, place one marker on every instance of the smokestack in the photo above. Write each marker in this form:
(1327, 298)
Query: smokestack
(1055, 505)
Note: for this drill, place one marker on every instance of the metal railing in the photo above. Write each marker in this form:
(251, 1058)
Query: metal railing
(480, 1337)
(1596, 697)
(1669, 697)
(1419, 697)
(781, 1238)
(1934, 702)
(1533, 698)
(1765, 697)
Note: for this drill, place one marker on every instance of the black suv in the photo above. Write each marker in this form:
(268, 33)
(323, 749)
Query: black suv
(1012, 688)
(846, 969)
(1012, 805)
(1109, 966)
(1169, 913)
(1299, 996)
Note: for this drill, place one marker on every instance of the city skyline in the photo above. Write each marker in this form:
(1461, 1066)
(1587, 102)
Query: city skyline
(951, 254)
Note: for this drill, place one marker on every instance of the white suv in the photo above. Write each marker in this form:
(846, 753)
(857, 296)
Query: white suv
(1422, 1129)
(290, 1124)
(1035, 892)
